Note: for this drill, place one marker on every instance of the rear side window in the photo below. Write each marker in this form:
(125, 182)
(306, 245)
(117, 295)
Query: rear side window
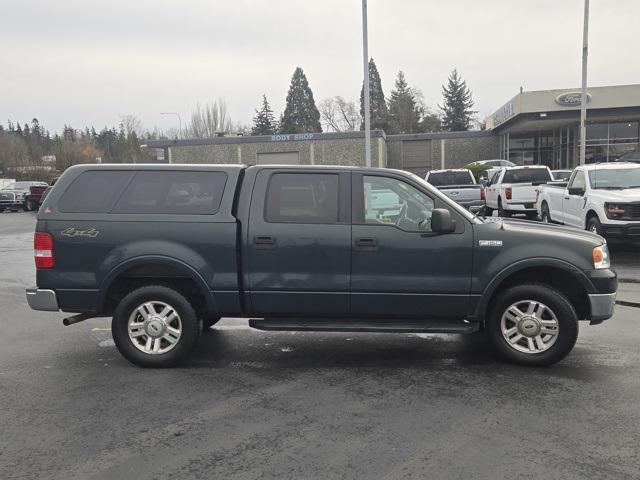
(527, 175)
(302, 198)
(93, 191)
(450, 178)
(173, 192)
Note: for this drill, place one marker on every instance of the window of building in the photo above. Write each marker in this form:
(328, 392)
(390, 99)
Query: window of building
(389, 201)
(94, 191)
(302, 198)
(173, 192)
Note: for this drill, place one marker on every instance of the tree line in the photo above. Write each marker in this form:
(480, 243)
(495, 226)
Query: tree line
(404, 111)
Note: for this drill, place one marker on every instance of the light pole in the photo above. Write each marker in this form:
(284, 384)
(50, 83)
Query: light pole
(367, 105)
(179, 120)
(583, 100)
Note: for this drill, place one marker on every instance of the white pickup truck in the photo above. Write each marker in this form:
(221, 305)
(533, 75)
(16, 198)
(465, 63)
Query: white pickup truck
(513, 190)
(459, 185)
(602, 198)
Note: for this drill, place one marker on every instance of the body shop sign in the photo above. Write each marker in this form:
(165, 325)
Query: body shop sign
(292, 137)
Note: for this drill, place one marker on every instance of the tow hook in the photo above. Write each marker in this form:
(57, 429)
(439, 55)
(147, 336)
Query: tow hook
(81, 317)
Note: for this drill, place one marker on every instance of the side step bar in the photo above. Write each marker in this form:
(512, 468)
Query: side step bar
(362, 325)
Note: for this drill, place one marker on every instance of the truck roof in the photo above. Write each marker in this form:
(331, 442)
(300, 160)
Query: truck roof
(450, 170)
(608, 166)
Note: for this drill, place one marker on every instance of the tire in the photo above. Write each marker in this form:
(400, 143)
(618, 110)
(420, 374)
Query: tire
(501, 211)
(545, 217)
(30, 206)
(593, 225)
(531, 216)
(209, 321)
(129, 312)
(488, 211)
(552, 327)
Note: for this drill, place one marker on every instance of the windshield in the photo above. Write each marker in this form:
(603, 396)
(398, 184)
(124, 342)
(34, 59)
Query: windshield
(614, 179)
(450, 178)
(561, 174)
(527, 175)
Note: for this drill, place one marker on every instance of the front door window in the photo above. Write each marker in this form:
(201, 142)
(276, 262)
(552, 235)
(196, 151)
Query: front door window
(389, 201)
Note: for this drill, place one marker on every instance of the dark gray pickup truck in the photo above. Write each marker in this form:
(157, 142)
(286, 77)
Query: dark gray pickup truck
(168, 249)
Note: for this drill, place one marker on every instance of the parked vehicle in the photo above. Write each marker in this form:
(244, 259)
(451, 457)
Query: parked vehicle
(561, 175)
(493, 163)
(459, 185)
(630, 157)
(165, 249)
(6, 181)
(47, 190)
(23, 195)
(513, 190)
(603, 198)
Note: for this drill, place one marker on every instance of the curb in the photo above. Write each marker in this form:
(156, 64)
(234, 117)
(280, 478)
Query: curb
(629, 280)
(628, 304)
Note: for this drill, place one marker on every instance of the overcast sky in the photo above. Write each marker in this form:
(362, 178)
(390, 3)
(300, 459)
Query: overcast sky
(88, 62)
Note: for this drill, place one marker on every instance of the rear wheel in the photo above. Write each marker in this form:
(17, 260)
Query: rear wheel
(30, 206)
(488, 211)
(594, 225)
(533, 325)
(155, 326)
(501, 211)
(544, 215)
(531, 215)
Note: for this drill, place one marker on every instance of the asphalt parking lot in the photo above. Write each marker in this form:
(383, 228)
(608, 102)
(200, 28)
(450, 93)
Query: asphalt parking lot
(253, 404)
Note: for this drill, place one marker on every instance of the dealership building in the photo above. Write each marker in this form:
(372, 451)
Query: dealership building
(537, 127)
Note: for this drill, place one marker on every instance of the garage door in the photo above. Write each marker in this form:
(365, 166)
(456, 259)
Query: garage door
(279, 158)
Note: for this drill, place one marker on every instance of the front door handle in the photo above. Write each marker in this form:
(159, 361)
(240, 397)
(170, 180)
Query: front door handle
(567, 198)
(367, 243)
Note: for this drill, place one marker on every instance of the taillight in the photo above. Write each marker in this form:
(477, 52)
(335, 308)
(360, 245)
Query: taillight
(482, 194)
(43, 250)
(508, 193)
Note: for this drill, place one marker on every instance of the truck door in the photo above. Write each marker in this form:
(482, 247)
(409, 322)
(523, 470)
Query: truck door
(573, 201)
(298, 245)
(399, 267)
(491, 191)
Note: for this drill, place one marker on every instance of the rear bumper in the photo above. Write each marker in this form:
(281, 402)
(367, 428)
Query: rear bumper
(602, 305)
(42, 299)
(520, 207)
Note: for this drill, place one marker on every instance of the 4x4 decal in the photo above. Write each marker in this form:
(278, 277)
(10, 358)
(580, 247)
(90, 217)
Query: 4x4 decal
(74, 232)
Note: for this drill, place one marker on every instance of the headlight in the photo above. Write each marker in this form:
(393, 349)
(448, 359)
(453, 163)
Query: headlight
(601, 257)
(614, 210)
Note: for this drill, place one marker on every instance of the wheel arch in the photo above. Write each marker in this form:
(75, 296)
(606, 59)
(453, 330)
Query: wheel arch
(183, 268)
(589, 215)
(550, 271)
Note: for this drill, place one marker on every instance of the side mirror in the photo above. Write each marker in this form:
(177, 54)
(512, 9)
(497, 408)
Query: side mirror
(441, 221)
(576, 191)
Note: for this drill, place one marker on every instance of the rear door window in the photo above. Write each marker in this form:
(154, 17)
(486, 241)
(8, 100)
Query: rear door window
(173, 192)
(302, 198)
(94, 191)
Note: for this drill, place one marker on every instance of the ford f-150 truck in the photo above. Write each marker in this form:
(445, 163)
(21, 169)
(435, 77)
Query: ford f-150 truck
(602, 198)
(167, 249)
(513, 190)
(21, 195)
(459, 185)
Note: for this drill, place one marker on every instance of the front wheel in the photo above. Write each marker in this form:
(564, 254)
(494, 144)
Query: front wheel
(594, 225)
(30, 206)
(544, 216)
(501, 211)
(155, 326)
(533, 325)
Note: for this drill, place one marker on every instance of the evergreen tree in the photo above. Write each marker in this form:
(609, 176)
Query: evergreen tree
(378, 106)
(300, 114)
(405, 108)
(264, 123)
(457, 113)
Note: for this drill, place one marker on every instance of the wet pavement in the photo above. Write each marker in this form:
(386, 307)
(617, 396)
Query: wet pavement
(253, 404)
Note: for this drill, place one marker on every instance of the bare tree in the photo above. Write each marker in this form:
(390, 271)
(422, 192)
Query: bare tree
(339, 114)
(132, 124)
(208, 120)
(13, 151)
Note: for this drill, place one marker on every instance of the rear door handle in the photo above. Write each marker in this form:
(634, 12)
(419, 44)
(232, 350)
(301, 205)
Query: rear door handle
(264, 240)
(368, 243)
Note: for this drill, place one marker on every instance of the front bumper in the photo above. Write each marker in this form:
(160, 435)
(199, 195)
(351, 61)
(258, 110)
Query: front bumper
(42, 299)
(629, 230)
(602, 305)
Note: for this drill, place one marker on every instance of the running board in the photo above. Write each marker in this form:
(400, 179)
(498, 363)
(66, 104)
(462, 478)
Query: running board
(362, 325)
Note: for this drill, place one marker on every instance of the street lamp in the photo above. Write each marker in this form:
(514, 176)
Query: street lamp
(367, 106)
(583, 100)
(179, 120)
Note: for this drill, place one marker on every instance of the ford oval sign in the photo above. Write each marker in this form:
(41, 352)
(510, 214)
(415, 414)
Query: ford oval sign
(571, 99)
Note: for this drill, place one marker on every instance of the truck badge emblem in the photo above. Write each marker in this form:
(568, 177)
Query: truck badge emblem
(490, 243)
(74, 232)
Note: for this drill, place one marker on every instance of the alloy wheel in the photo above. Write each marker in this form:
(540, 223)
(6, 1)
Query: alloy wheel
(154, 327)
(529, 326)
